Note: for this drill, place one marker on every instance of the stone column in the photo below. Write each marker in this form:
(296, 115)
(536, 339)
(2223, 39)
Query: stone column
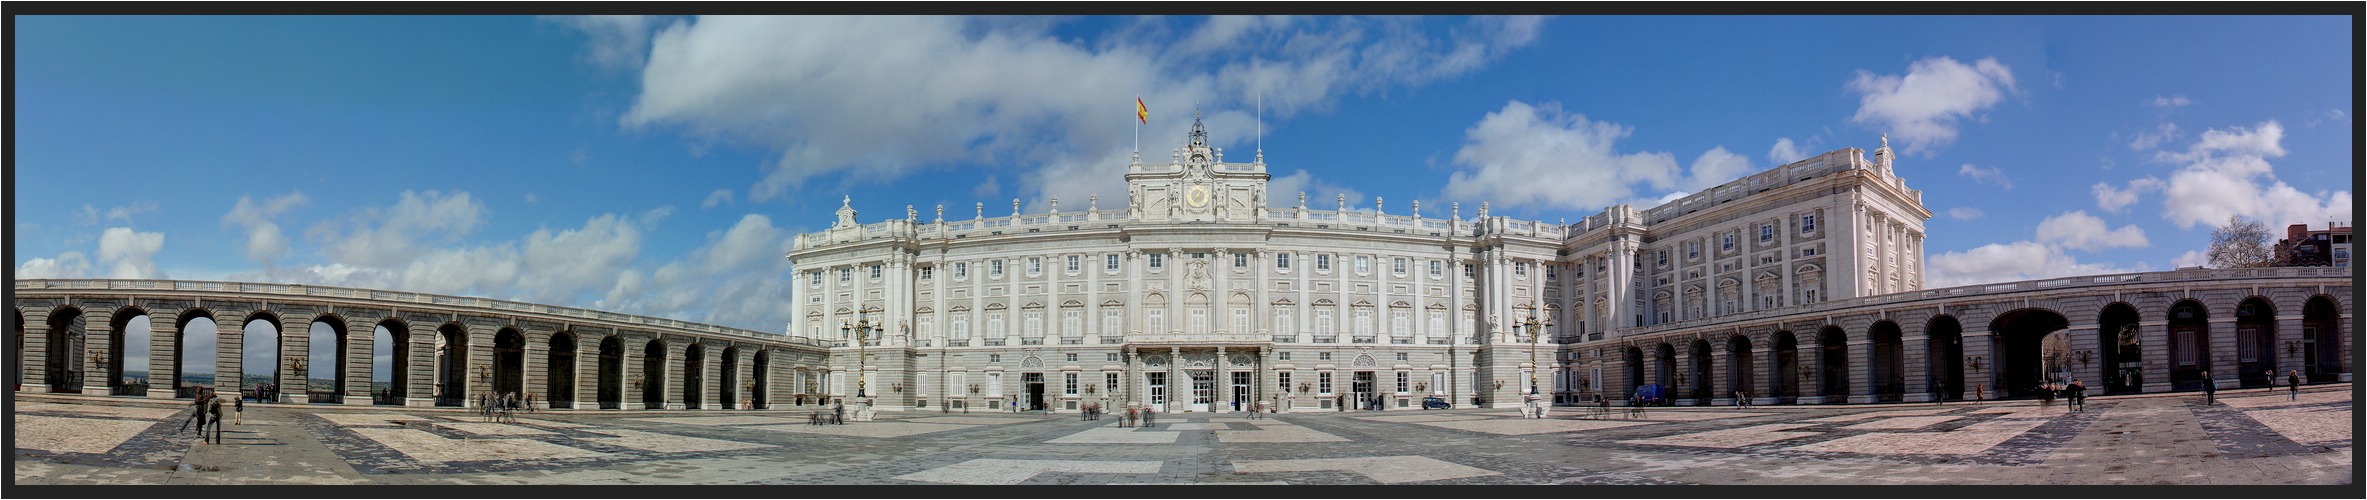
(2153, 341)
(587, 370)
(677, 352)
(36, 353)
(1134, 391)
(1861, 373)
(295, 340)
(1221, 388)
(2222, 353)
(1981, 382)
(2090, 373)
(1176, 378)
(1915, 354)
(480, 354)
(98, 332)
(1651, 372)
(535, 362)
(711, 378)
(1763, 375)
(419, 372)
(1721, 376)
(229, 346)
(629, 397)
(2288, 334)
(1811, 384)
(361, 348)
(164, 353)
(1683, 394)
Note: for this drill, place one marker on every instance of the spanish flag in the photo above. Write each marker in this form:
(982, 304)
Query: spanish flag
(1142, 112)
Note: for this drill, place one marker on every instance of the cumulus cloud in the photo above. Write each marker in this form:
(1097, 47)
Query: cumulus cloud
(930, 91)
(1785, 152)
(2078, 230)
(617, 42)
(129, 254)
(1284, 191)
(125, 213)
(2226, 172)
(394, 236)
(1540, 156)
(1991, 175)
(2145, 141)
(66, 265)
(2192, 258)
(2016, 261)
(264, 243)
(2170, 101)
(2113, 200)
(1964, 213)
(738, 278)
(719, 197)
(1923, 107)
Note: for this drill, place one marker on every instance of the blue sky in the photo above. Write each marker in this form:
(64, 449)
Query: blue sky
(662, 165)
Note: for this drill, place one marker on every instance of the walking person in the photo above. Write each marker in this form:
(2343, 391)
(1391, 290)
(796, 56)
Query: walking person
(2079, 395)
(2271, 378)
(196, 413)
(838, 413)
(239, 406)
(1128, 420)
(1149, 416)
(2210, 389)
(214, 407)
(2293, 385)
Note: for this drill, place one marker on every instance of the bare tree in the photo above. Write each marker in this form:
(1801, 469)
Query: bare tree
(2243, 242)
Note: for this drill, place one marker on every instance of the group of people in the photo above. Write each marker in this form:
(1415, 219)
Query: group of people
(499, 407)
(1092, 411)
(837, 415)
(1138, 417)
(206, 412)
(266, 393)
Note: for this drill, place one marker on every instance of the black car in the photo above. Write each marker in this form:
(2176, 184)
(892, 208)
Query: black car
(1436, 403)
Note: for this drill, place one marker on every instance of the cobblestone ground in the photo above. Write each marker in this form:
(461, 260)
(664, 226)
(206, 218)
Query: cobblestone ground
(2154, 439)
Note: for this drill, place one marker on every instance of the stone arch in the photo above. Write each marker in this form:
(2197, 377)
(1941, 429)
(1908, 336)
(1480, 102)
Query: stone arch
(1944, 341)
(762, 383)
(1783, 377)
(186, 351)
(2031, 351)
(728, 390)
(2322, 340)
(1664, 356)
(261, 352)
(1833, 354)
(611, 373)
(63, 360)
(2190, 340)
(509, 362)
(559, 370)
(451, 364)
(652, 379)
(1738, 366)
(1886, 367)
(121, 344)
(1698, 382)
(395, 374)
(335, 362)
(16, 348)
(1633, 358)
(694, 375)
(2256, 339)
(2122, 348)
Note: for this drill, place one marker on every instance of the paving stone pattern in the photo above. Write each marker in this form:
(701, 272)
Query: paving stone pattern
(2154, 439)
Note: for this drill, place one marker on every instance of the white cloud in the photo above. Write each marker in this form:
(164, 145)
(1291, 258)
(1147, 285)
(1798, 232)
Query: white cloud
(129, 254)
(1991, 175)
(719, 197)
(987, 188)
(2227, 173)
(1785, 152)
(738, 278)
(1964, 213)
(1923, 107)
(929, 91)
(2149, 140)
(66, 265)
(125, 213)
(1284, 191)
(1539, 156)
(2170, 101)
(2002, 262)
(2113, 200)
(394, 236)
(87, 216)
(2192, 258)
(532, 199)
(617, 42)
(2078, 230)
(264, 243)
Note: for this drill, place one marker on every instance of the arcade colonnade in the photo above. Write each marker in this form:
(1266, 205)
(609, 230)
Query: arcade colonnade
(2126, 338)
(441, 351)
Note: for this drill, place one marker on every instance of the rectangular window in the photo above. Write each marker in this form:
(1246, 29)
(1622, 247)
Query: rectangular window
(1323, 324)
(1075, 263)
(1470, 271)
(1663, 258)
(1729, 241)
(1109, 262)
(845, 275)
(995, 268)
(1323, 262)
(1284, 355)
(1766, 233)
(994, 326)
(1157, 260)
(1436, 268)
(2185, 348)
(1807, 224)
(1199, 319)
(994, 383)
(1323, 356)
(817, 281)
(1282, 261)
(1363, 264)
(875, 271)
(1035, 265)
(1364, 322)
(1283, 326)
(1033, 326)
(1072, 357)
(1552, 271)
(1111, 325)
(1111, 379)
(1323, 382)
(1403, 380)
(1072, 324)
(1397, 265)
(1692, 250)
(1241, 320)
(961, 327)
(994, 358)
(1110, 357)
(1282, 378)
(1401, 324)
(1069, 385)
(2247, 344)
(1158, 320)
(1240, 261)
(961, 270)
(1401, 356)
(928, 272)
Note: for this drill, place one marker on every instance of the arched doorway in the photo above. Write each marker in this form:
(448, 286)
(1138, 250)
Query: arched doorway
(2321, 340)
(16, 346)
(324, 363)
(2122, 349)
(1633, 357)
(1664, 357)
(559, 373)
(451, 365)
(2256, 339)
(2190, 345)
(390, 362)
(730, 390)
(509, 363)
(2034, 351)
(611, 373)
(1834, 355)
(1888, 372)
(1738, 367)
(1700, 378)
(127, 352)
(694, 372)
(1784, 376)
(194, 365)
(762, 385)
(64, 363)
(653, 380)
(1945, 345)
(260, 358)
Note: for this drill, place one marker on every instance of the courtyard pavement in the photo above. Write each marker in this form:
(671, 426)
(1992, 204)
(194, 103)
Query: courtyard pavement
(2249, 438)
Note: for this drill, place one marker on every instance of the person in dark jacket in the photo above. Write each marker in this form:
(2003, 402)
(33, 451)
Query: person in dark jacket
(2210, 389)
(2293, 385)
(197, 412)
(214, 407)
(2078, 394)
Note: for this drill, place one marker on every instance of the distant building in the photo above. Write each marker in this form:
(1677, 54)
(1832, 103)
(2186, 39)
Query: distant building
(2324, 247)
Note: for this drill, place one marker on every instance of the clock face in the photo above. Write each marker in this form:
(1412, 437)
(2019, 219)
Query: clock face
(1197, 196)
(1197, 158)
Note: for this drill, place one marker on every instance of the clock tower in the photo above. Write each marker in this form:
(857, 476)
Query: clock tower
(1197, 185)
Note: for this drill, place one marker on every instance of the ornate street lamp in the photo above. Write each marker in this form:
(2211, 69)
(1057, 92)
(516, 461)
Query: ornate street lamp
(1536, 327)
(861, 331)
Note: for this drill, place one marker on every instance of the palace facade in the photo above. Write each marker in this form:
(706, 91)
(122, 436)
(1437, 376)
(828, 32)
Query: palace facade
(1198, 295)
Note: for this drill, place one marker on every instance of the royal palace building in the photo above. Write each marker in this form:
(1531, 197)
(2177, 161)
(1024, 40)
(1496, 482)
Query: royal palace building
(1197, 295)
